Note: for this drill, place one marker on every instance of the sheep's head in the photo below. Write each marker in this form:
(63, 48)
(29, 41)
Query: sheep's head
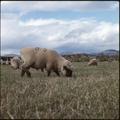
(14, 64)
(67, 68)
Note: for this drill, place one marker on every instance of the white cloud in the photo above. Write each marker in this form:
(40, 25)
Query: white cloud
(41, 22)
(56, 33)
(115, 5)
(22, 7)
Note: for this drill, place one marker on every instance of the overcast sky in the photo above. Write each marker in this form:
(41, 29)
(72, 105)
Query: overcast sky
(67, 26)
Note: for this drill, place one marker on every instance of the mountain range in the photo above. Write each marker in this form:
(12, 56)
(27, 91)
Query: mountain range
(109, 52)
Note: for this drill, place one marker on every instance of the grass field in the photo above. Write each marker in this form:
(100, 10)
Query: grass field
(92, 94)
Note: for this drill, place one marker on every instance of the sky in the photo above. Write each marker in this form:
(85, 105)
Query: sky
(66, 26)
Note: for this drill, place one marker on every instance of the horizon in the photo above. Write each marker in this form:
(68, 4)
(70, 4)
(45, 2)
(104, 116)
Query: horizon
(69, 53)
(66, 26)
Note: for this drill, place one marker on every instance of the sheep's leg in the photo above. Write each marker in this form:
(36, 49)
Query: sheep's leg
(22, 73)
(48, 68)
(25, 69)
(28, 73)
(49, 72)
(56, 71)
(42, 69)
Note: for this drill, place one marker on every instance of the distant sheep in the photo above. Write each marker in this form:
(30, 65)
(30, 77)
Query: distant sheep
(7, 62)
(93, 62)
(2, 62)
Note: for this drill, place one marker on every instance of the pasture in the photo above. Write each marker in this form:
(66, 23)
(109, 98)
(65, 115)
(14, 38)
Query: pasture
(92, 94)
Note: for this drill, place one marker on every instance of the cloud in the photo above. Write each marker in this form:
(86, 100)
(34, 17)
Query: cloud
(63, 35)
(23, 7)
(85, 34)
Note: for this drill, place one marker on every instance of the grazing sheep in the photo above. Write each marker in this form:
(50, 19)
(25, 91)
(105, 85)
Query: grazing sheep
(93, 62)
(2, 62)
(7, 62)
(15, 62)
(42, 58)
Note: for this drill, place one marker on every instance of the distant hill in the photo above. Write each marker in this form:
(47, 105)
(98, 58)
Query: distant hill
(110, 52)
(10, 55)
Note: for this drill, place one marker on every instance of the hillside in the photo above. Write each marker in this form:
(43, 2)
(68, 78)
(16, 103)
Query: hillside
(110, 52)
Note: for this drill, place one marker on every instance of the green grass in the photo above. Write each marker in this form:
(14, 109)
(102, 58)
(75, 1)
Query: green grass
(93, 93)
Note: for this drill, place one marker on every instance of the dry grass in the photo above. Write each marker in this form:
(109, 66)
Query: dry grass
(92, 94)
